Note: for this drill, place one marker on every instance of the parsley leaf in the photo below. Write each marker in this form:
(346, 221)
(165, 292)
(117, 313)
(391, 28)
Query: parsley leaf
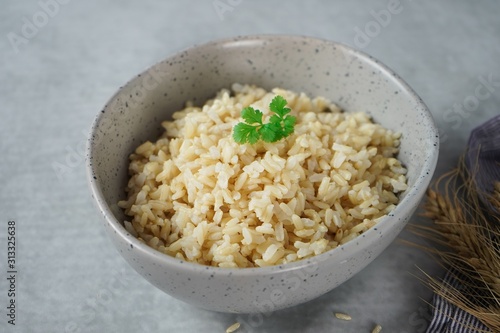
(280, 125)
(289, 123)
(251, 115)
(278, 106)
(245, 133)
(275, 119)
(268, 133)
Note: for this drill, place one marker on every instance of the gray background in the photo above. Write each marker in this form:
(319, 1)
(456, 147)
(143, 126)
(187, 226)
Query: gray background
(55, 78)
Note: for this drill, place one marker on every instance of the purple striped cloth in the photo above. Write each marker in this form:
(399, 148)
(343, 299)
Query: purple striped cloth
(483, 161)
(448, 318)
(483, 158)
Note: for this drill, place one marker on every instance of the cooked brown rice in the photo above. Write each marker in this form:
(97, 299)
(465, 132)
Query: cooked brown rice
(198, 195)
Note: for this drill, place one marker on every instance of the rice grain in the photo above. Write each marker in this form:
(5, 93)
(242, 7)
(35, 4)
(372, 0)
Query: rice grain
(342, 316)
(233, 328)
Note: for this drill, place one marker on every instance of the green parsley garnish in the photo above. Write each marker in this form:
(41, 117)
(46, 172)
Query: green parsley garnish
(280, 124)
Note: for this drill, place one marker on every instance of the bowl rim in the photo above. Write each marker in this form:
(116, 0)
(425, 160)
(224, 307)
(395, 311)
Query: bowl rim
(412, 194)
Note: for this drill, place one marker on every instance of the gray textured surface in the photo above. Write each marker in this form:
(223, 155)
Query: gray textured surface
(70, 278)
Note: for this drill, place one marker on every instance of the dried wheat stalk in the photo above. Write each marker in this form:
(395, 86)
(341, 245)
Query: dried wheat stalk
(467, 239)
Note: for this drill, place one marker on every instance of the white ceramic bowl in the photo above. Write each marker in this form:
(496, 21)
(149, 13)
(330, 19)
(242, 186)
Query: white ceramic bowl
(350, 78)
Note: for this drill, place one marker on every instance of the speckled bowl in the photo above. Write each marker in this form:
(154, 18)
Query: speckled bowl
(352, 79)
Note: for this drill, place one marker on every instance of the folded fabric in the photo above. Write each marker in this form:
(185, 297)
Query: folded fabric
(483, 158)
(448, 318)
(483, 162)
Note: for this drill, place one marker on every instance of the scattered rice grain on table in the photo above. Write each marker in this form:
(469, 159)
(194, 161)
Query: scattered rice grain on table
(197, 195)
(377, 329)
(233, 328)
(342, 316)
